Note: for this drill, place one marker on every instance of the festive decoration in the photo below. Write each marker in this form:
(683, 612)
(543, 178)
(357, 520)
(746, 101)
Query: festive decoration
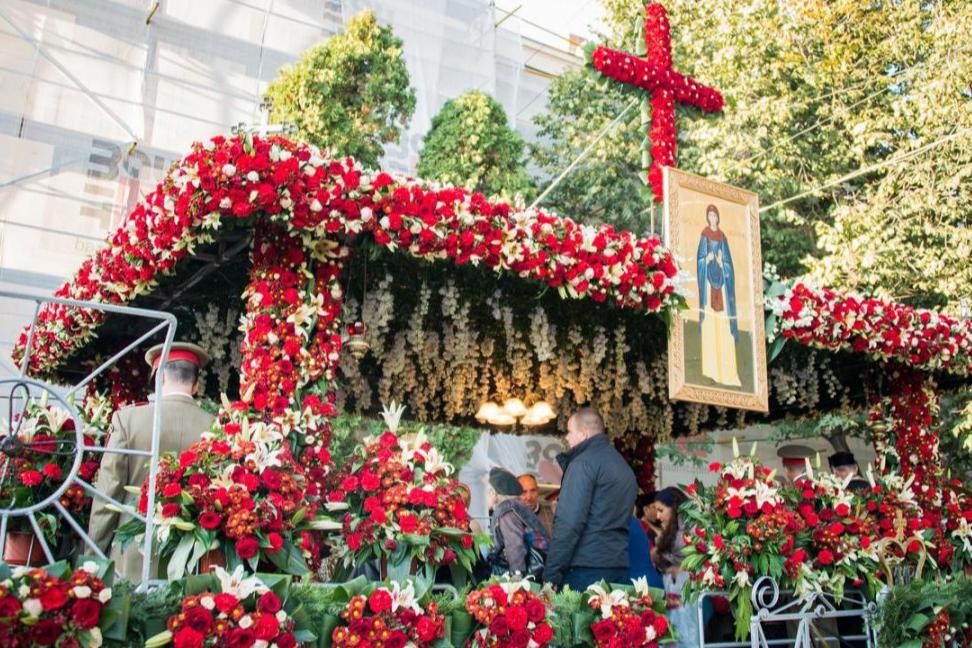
(509, 614)
(389, 617)
(56, 605)
(655, 74)
(239, 612)
(404, 508)
(636, 620)
(828, 319)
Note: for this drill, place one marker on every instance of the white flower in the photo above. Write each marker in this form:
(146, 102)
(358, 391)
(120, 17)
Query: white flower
(435, 462)
(281, 616)
(237, 585)
(260, 643)
(641, 586)
(96, 638)
(104, 595)
(225, 203)
(33, 607)
(253, 176)
(208, 602)
(607, 600)
(229, 169)
(650, 633)
(24, 591)
(404, 598)
(741, 578)
(246, 622)
(82, 591)
(316, 205)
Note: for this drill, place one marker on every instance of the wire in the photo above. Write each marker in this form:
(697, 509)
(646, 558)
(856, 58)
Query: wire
(563, 174)
(874, 167)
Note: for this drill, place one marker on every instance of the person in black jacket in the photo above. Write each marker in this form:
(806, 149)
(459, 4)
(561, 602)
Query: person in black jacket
(597, 494)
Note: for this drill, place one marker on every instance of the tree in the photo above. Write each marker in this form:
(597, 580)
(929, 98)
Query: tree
(350, 94)
(471, 145)
(814, 91)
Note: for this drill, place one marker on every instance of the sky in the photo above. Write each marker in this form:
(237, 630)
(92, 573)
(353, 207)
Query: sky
(562, 17)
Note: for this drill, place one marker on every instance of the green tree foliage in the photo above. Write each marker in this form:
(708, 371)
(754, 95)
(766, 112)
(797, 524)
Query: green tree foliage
(471, 145)
(814, 91)
(350, 94)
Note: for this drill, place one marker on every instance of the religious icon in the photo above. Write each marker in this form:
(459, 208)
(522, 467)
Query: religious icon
(717, 346)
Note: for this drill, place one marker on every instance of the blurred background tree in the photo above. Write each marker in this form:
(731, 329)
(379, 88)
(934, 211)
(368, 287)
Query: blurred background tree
(350, 94)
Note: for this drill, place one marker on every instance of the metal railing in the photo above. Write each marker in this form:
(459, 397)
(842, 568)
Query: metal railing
(26, 388)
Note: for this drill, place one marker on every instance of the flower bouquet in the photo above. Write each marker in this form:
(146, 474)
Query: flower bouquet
(509, 614)
(403, 507)
(741, 530)
(629, 617)
(229, 609)
(58, 605)
(240, 491)
(389, 617)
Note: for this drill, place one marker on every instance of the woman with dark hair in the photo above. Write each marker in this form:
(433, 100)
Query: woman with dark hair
(717, 302)
(667, 555)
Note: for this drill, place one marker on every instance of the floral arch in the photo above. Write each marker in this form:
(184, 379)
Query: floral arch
(302, 214)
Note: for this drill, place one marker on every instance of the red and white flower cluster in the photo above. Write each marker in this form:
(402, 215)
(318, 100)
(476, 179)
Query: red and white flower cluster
(243, 613)
(40, 609)
(510, 615)
(629, 621)
(403, 504)
(828, 319)
(226, 182)
(654, 73)
(389, 618)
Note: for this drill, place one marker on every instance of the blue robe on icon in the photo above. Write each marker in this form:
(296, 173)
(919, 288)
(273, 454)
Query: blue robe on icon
(713, 277)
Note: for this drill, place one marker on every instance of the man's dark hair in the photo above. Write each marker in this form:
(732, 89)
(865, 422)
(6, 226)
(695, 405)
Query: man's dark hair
(181, 371)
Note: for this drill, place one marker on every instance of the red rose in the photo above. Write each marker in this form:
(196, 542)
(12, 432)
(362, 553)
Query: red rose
(271, 479)
(225, 602)
(52, 471)
(370, 481)
(31, 478)
(408, 523)
(170, 510)
(266, 627)
(188, 638)
(247, 547)
(914, 546)
(660, 624)
(276, 542)
(517, 617)
(499, 627)
(171, 490)
(269, 603)
(843, 510)
(9, 606)
(427, 629)
(187, 458)
(825, 557)
(396, 640)
(715, 466)
(240, 638)
(85, 613)
(287, 640)
(603, 630)
(520, 638)
(354, 541)
(210, 520)
(349, 484)
(466, 541)
(46, 632)
(380, 601)
(542, 633)
(53, 598)
(535, 610)
(199, 619)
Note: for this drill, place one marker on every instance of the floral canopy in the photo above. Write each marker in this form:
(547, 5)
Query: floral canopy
(316, 226)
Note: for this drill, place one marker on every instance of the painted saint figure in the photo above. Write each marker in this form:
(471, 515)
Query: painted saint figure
(717, 303)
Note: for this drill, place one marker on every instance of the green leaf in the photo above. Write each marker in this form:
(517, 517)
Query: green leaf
(289, 560)
(176, 568)
(917, 621)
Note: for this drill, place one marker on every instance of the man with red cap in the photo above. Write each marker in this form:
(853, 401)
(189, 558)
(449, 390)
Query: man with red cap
(182, 423)
(794, 460)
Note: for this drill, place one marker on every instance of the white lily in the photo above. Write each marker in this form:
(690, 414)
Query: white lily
(435, 462)
(237, 585)
(404, 597)
(641, 586)
(607, 600)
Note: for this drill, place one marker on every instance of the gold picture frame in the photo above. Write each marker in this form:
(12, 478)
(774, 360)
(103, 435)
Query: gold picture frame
(716, 346)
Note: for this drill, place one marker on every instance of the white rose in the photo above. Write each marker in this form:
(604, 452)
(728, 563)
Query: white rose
(33, 607)
(225, 203)
(286, 202)
(229, 169)
(207, 602)
(281, 616)
(24, 591)
(316, 206)
(253, 176)
(246, 622)
(104, 595)
(96, 638)
(82, 591)
(366, 214)
(90, 566)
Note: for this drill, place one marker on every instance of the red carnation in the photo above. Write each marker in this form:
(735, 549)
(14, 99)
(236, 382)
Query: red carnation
(354, 541)
(247, 547)
(53, 598)
(210, 520)
(271, 479)
(9, 606)
(31, 478)
(46, 632)
(287, 640)
(276, 541)
(517, 617)
(85, 613)
(171, 490)
(240, 638)
(603, 630)
(170, 510)
(499, 627)
(199, 619)
(408, 523)
(427, 629)
(380, 601)
(542, 633)
(225, 602)
(535, 610)
(826, 557)
(188, 458)
(266, 627)
(52, 471)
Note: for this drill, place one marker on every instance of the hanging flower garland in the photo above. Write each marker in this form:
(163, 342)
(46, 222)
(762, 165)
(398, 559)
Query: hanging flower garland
(828, 319)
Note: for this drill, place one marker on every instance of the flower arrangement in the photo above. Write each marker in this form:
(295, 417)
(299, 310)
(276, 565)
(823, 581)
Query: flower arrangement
(56, 605)
(389, 617)
(742, 529)
(634, 619)
(235, 611)
(403, 506)
(239, 490)
(509, 614)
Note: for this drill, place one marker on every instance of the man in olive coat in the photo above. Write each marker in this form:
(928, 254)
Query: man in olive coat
(182, 424)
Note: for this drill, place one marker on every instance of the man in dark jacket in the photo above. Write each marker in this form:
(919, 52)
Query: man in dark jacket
(597, 494)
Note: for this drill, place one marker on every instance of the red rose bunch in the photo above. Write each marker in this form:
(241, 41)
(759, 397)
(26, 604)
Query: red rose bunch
(629, 619)
(510, 615)
(43, 608)
(389, 618)
(403, 504)
(239, 489)
(243, 613)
